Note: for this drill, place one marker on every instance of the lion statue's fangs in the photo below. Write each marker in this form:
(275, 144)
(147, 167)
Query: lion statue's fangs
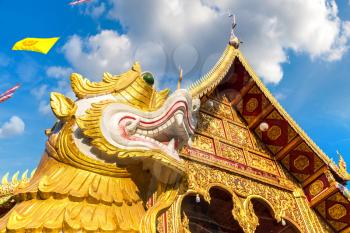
(110, 151)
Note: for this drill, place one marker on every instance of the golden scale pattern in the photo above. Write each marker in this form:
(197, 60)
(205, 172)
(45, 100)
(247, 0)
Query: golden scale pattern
(8, 186)
(76, 199)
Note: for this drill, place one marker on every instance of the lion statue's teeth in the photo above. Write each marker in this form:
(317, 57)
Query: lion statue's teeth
(131, 126)
(179, 119)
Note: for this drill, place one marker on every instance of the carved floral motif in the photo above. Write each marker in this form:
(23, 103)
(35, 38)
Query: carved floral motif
(203, 143)
(239, 135)
(301, 162)
(274, 132)
(252, 104)
(212, 125)
(316, 187)
(337, 211)
(217, 108)
(261, 163)
(231, 152)
(201, 178)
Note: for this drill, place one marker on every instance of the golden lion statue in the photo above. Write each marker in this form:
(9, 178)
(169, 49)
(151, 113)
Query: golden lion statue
(112, 149)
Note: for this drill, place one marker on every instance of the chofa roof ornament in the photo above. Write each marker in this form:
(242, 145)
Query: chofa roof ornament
(234, 41)
(342, 166)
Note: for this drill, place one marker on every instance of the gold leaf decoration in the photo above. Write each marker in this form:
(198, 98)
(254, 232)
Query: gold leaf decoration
(83, 87)
(90, 125)
(167, 197)
(63, 107)
(160, 98)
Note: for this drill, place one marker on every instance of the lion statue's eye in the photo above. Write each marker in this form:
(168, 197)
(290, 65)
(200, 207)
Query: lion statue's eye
(148, 77)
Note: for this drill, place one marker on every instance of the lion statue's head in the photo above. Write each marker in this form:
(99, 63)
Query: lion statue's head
(107, 155)
(123, 120)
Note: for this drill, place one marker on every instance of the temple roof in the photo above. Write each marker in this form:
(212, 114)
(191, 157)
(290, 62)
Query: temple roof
(209, 82)
(324, 181)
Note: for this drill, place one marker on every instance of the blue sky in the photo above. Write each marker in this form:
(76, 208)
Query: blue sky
(305, 63)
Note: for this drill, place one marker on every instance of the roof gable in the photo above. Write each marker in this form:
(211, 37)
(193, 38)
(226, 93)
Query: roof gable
(234, 79)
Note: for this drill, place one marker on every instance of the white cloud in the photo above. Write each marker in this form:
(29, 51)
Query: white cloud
(95, 8)
(268, 29)
(145, 53)
(42, 94)
(40, 91)
(185, 56)
(44, 107)
(105, 52)
(97, 11)
(27, 70)
(58, 72)
(15, 126)
(4, 60)
(280, 96)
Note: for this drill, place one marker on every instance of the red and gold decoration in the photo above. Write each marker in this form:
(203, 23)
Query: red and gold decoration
(133, 160)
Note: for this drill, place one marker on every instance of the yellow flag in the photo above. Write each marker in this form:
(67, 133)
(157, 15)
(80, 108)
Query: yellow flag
(40, 45)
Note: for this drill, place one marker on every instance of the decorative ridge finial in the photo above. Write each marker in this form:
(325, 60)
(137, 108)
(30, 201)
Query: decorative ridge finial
(341, 163)
(234, 41)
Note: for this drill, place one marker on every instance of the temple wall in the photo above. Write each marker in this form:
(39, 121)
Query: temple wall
(226, 154)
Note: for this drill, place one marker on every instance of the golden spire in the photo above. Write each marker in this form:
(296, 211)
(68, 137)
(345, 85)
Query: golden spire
(180, 79)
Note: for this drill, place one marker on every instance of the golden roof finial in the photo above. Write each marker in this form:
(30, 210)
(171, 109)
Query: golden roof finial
(180, 79)
(341, 163)
(234, 41)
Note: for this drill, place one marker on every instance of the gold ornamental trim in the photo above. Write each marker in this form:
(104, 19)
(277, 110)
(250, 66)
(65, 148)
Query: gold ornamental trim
(66, 151)
(209, 81)
(201, 178)
(282, 183)
(84, 88)
(252, 104)
(337, 211)
(316, 187)
(63, 107)
(168, 195)
(301, 162)
(274, 132)
(90, 125)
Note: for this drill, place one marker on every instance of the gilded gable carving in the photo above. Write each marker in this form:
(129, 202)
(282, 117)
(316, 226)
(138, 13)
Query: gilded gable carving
(239, 135)
(261, 163)
(203, 143)
(217, 108)
(232, 152)
(210, 125)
